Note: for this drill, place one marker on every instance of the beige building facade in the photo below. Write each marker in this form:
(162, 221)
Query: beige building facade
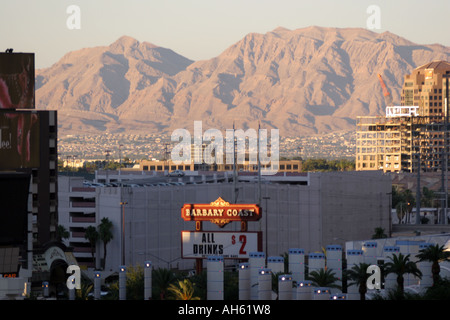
(415, 130)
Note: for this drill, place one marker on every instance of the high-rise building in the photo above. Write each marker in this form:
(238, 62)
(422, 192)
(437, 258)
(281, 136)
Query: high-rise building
(28, 172)
(427, 88)
(417, 129)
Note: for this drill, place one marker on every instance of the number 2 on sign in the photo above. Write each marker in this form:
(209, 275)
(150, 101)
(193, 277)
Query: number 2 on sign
(242, 240)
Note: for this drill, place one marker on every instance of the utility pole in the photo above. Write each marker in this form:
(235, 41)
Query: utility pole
(123, 203)
(446, 77)
(234, 166)
(259, 164)
(120, 164)
(107, 152)
(418, 184)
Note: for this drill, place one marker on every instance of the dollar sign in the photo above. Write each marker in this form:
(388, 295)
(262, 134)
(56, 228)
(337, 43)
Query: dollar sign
(233, 239)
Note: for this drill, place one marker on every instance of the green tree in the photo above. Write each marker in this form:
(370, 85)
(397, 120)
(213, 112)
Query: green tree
(162, 279)
(201, 285)
(401, 265)
(106, 235)
(92, 236)
(379, 233)
(435, 254)
(358, 276)
(439, 291)
(427, 197)
(403, 201)
(135, 282)
(85, 289)
(182, 290)
(328, 165)
(323, 278)
(62, 233)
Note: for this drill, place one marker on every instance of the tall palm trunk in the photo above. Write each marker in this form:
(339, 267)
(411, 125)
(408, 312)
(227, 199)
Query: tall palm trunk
(435, 271)
(362, 291)
(400, 283)
(104, 256)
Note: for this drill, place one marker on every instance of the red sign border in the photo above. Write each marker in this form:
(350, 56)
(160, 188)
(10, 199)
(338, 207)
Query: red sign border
(220, 203)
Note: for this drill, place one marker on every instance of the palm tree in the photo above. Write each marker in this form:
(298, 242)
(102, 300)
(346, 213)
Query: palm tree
(162, 279)
(401, 265)
(379, 233)
(358, 274)
(83, 293)
(323, 278)
(435, 254)
(135, 282)
(92, 236)
(183, 290)
(105, 235)
(62, 233)
(403, 201)
(427, 197)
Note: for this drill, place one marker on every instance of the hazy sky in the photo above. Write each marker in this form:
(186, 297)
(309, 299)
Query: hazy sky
(201, 29)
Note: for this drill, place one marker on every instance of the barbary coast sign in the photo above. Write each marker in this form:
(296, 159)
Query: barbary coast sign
(221, 212)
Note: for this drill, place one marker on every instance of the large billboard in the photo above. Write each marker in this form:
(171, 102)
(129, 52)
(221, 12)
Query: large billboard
(229, 245)
(19, 139)
(14, 192)
(17, 81)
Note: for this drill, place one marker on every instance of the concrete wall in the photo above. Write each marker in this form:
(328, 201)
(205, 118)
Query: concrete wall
(335, 207)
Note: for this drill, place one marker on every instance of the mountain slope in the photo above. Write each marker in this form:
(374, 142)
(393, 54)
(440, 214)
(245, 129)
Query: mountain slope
(91, 88)
(305, 81)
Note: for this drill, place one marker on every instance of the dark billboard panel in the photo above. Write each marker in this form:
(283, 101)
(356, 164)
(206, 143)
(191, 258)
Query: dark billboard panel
(17, 81)
(19, 140)
(14, 192)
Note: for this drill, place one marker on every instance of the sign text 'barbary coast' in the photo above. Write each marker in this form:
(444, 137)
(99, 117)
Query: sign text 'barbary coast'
(220, 209)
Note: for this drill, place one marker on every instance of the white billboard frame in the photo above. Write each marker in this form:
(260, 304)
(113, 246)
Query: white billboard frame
(228, 244)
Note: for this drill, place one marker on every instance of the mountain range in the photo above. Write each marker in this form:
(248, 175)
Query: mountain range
(306, 81)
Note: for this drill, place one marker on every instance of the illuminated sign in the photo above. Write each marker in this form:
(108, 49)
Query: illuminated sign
(221, 212)
(402, 111)
(9, 275)
(17, 81)
(19, 139)
(229, 245)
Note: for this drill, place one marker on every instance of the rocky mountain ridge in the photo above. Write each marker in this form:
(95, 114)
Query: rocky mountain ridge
(303, 82)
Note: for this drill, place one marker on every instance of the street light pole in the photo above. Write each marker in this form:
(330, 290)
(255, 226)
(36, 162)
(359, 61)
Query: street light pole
(120, 164)
(123, 203)
(267, 233)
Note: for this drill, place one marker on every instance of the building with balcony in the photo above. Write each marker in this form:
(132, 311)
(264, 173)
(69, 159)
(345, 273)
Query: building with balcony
(414, 135)
(77, 211)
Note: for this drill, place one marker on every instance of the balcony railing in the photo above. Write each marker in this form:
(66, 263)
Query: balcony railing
(83, 189)
(83, 204)
(81, 249)
(78, 234)
(83, 219)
